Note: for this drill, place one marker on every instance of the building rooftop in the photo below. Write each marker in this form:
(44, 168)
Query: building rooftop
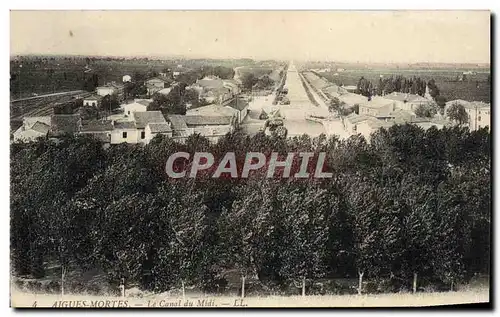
(159, 127)
(177, 122)
(352, 99)
(142, 118)
(210, 83)
(377, 102)
(212, 110)
(41, 127)
(124, 125)
(143, 102)
(65, 123)
(206, 120)
(93, 97)
(96, 126)
(400, 96)
(356, 118)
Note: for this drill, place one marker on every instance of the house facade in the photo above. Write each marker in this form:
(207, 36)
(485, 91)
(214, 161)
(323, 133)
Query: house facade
(139, 105)
(377, 107)
(93, 101)
(405, 101)
(156, 84)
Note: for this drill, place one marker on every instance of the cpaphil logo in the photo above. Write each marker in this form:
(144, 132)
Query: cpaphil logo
(178, 163)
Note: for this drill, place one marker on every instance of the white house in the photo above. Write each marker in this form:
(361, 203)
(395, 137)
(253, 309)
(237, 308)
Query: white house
(105, 90)
(352, 121)
(126, 78)
(32, 129)
(211, 127)
(143, 118)
(156, 84)
(408, 102)
(92, 100)
(478, 113)
(123, 132)
(377, 107)
(138, 105)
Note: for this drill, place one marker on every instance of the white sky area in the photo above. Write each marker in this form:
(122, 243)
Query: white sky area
(364, 36)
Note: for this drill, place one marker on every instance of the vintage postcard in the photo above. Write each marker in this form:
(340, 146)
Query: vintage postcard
(239, 159)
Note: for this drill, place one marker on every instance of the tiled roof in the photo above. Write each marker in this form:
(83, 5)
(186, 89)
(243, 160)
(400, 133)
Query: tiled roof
(355, 118)
(206, 120)
(177, 121)
(41, 127)
(124, 125)
(212, 110)
(399, 96)
(377, 102)
(142, 118)
(158, 79)
(238, 104)
(159, 127)
(96, 125)
(65, 123)
(93, 97)
(210, 83)
(143, 102)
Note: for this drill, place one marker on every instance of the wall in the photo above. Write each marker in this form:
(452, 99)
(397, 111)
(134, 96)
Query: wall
(133, 107)
(90, 103)
(103, 91)
(132, 136)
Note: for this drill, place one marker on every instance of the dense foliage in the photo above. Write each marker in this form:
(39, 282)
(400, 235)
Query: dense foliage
(410, 201)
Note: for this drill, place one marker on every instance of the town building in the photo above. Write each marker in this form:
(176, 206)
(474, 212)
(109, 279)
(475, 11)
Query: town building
(99, 129)
(351, 122)
(211, 127)
(126, 78)
(377, 107)
(32, 129)
(478, 113)
(406, 101)
(156, 84)
(92, 100)
(65, 124)
(139, 105)
(111, 88)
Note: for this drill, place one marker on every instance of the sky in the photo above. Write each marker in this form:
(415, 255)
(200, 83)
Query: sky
(349, 36)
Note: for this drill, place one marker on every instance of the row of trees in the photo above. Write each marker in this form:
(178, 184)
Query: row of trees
(411, 203)
(414, 85)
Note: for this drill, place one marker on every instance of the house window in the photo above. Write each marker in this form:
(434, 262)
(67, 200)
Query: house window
(143, 135)
(124, 134)
(128, 112)
(479, 118)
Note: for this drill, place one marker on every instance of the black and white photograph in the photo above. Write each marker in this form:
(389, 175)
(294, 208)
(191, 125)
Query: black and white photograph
(243, 159)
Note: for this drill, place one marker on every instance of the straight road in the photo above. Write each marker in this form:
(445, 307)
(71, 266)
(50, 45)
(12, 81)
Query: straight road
(299, 108)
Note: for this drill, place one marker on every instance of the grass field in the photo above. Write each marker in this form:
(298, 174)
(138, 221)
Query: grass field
(480, 295)
(445, 80)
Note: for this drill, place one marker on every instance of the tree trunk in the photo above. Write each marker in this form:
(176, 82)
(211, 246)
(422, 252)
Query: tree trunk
(243, 286)
(304, 286)
(360, 285)
(415, 282)
(451, 286)
(183, 290)
(63, 273)
(123, 287)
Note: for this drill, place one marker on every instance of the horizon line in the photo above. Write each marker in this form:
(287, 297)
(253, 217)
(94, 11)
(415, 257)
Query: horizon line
(160, 57)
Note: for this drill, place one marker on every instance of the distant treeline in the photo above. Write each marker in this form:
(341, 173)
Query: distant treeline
(409, 202)
(414, 85)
